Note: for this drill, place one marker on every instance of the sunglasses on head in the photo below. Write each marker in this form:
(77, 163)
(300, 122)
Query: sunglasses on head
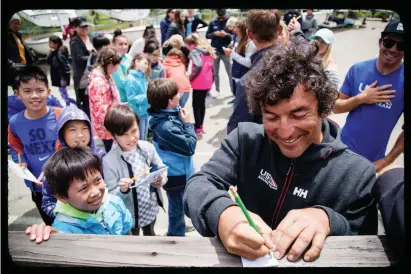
(389, 43)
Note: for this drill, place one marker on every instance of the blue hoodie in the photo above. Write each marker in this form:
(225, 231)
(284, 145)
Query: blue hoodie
(175, 143)
(136, 92)
(68, 114)
(119, 76)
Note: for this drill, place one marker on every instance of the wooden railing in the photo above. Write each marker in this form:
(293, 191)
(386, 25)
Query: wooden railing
(161, 251)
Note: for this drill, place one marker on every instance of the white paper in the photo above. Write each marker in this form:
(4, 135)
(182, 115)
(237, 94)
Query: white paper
(266, 261)
(20, 172)
(150, 178)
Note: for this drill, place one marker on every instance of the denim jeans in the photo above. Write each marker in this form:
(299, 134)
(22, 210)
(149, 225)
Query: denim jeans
(176, 222)
(143, 127)
(184, 98)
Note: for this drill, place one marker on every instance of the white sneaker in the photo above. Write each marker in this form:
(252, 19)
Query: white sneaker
(215, 94)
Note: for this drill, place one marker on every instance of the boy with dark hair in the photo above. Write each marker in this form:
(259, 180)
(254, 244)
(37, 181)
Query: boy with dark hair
(32, 133)
(130, 158)
(175, 141)
(84, 205)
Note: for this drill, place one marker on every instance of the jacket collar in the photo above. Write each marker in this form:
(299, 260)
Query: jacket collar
(255, 57)
(69, 210)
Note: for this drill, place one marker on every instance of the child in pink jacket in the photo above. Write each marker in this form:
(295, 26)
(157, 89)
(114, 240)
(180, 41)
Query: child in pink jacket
(174, 65)
(103, 93)
(201, 77)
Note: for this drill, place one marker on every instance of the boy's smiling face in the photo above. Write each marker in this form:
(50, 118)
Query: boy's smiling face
(76, 133)
(86, 195)
(34, 95)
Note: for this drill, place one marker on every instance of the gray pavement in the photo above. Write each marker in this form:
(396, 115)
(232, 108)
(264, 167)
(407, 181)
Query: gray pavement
(350, 46)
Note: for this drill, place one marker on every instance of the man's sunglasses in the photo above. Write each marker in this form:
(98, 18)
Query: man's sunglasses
(389, 43)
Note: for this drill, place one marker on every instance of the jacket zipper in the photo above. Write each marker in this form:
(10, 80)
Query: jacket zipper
(283, 193)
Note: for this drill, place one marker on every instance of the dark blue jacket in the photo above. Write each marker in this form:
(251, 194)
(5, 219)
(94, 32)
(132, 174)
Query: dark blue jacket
(163, 28)
(218, 42)
(240, 111)
(175, 142)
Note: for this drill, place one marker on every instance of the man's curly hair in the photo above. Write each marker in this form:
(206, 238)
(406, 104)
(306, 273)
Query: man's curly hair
(283, 68)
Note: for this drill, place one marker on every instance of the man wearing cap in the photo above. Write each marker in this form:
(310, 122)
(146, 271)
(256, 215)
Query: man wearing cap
(17, 52)
(373, 94)
(220, 38)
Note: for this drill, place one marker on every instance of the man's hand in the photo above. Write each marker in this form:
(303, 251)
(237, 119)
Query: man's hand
(218, 33)
(298, 230)
(373, 94)
(381, 163)
(223, 33)
(125, 184)
(185, 115)
(23, 165)
(293, 26)
(227, 51)
(40, 232)
(239, 238)
(158, 183)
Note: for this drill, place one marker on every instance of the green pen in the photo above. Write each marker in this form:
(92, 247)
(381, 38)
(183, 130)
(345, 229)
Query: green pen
(243, 209)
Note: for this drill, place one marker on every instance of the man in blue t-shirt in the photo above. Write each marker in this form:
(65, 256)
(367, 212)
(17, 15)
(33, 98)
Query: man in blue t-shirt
(373, 94)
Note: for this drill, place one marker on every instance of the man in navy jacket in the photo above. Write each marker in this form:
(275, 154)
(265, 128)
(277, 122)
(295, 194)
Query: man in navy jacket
(220, 38)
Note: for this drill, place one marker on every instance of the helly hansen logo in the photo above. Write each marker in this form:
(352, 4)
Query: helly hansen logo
(300, 192)
(268, 179)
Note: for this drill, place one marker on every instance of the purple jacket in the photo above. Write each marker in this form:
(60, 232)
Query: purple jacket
(69, 113)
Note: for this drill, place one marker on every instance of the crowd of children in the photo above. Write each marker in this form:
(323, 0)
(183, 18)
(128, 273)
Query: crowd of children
(84, 189)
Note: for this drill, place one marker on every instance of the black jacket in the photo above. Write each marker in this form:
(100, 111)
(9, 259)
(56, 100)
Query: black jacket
(218, 42)
(194, 24)
(13, 56)
(240, 110)
(59, 67)
(79, 54)
(290, 14)
(174, 29)
(389, 193)
(326, 175)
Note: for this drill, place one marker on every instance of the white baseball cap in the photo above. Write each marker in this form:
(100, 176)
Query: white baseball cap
(325, 34)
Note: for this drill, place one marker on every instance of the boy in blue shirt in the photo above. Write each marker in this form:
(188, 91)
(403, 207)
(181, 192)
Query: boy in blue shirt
(175, 141)
(32, 133)
(84, 205)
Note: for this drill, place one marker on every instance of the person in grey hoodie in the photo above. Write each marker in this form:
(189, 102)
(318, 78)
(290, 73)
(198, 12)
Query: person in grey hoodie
(297, 179)
(309, 25)
(74, 129)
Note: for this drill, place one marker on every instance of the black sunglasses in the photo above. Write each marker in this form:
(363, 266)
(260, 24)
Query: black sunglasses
(389, 43)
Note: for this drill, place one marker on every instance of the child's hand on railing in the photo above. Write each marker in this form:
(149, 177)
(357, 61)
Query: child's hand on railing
(40, 233)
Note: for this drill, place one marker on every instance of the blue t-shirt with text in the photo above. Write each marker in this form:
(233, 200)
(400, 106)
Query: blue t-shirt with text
(38, 138)
(368, 127)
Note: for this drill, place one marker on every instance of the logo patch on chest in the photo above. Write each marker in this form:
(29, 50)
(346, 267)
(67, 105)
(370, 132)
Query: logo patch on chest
(268, 179)
(300, 192)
